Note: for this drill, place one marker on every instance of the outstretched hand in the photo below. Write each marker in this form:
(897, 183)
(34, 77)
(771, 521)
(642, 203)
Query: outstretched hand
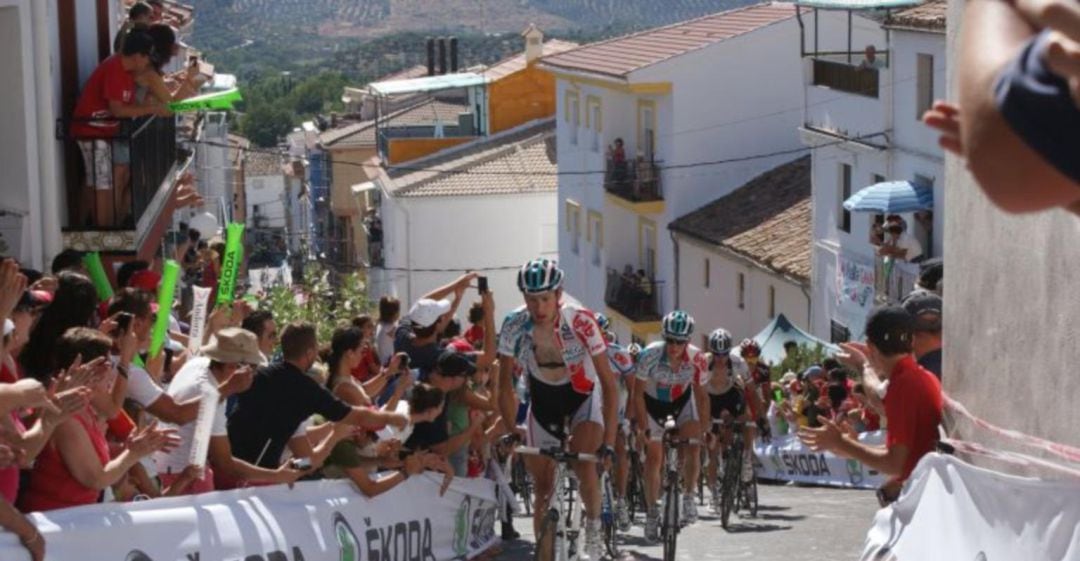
(825, 438)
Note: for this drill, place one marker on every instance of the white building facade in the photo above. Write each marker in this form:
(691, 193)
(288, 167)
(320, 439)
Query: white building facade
(675, 113)
(864, 127)
(480, 218)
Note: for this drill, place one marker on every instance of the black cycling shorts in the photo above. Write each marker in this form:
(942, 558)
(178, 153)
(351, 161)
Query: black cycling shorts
(733, 401)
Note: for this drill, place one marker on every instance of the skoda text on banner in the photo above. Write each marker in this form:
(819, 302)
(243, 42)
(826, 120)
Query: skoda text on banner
(952, 510)
(786, 458)
(315, 521)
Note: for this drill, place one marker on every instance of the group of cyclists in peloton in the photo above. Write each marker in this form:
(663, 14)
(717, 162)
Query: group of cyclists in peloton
(591, 394)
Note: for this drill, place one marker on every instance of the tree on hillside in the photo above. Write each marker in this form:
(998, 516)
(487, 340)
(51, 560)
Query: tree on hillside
(265, 125)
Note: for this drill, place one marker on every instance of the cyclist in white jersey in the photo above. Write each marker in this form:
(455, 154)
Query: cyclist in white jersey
(670, 374)
(563, 358)
(622, 364)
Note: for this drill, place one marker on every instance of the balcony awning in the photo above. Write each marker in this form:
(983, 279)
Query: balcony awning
(427, 84)
(891, 197)
(857, 4)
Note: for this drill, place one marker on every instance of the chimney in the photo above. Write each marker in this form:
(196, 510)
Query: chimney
(333, 119)
(442, 55)
(430, 56)
(453, 54)
(534, 43)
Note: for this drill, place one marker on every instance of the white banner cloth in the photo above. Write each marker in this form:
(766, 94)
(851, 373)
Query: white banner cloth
(953, 510)
(315, 521)
(786, 458)
(201, 297)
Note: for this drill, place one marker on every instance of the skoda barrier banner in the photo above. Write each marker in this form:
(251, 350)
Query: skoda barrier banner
(786, 458)
(953, 510)
(314, 521)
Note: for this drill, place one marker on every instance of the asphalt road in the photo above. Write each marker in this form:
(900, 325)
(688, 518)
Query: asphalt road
(793, 523)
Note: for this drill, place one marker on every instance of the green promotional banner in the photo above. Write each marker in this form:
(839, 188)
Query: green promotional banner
(94, 268)
(217, 100)
(230, 265)
(166, 293)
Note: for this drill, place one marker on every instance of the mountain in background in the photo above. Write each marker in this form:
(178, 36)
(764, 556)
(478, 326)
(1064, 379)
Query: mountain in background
(224, 23)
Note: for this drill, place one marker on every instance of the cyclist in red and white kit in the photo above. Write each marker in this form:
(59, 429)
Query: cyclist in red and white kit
(563, 356)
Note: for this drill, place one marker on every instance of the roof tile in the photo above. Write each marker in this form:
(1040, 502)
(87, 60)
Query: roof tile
(930, 16)
(767, 220)
(623, 55)
(520, 162)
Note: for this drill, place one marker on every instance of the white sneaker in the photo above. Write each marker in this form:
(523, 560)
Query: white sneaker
(622, 515)
(689, 509)
(594, 542)
(652, 524)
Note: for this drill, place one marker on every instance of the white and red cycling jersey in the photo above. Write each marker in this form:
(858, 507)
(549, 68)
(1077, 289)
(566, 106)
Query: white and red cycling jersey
(576, 334)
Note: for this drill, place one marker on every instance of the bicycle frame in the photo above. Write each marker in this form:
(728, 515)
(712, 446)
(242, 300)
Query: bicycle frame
(564, 504)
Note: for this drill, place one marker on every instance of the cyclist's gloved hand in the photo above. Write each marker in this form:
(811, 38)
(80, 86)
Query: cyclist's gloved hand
(605, 455)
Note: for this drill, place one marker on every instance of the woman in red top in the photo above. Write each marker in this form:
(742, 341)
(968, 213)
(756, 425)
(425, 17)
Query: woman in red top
(368, 365)
(75, 467)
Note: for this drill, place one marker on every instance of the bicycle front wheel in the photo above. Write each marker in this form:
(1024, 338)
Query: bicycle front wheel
(670, 529)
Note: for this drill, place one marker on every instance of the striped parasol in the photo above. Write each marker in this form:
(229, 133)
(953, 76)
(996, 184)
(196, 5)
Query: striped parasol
(891, 197)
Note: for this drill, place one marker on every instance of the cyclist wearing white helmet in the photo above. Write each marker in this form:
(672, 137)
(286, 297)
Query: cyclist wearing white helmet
(563, 357)
(669, 378)
(727, 402)
(622, 364)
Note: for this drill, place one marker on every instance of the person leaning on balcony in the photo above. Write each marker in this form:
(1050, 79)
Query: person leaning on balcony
(1017, 121)
(899, 243)
(139, 16)
(870, 60)
(110, 93)
(167, 88)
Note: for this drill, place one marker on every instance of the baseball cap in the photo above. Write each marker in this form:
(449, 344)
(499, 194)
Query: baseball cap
(145, 280)
(453, 364)
(925, 308)
(813, 371)
(425, 312)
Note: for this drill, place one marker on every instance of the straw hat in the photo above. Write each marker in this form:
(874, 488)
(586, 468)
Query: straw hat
(233, 345)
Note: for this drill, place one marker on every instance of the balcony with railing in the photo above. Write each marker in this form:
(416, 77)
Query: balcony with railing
(893, 279)
(634, 296)
(119, 186)
(844, 95)
(635, 184)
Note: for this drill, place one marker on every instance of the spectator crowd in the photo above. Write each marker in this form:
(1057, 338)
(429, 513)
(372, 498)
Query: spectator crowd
(90, 415)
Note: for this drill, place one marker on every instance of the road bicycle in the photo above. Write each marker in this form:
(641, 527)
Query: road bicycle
(561, 537)
(734, 492)
(672, 476)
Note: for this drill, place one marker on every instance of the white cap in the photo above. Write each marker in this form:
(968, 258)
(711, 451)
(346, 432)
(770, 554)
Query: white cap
(426, 311)
(9, 326)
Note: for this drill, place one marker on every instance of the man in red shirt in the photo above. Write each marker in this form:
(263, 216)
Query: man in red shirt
(913, 402)
(110, 93)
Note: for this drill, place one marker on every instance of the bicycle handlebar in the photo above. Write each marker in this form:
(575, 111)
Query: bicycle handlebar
(558, 454)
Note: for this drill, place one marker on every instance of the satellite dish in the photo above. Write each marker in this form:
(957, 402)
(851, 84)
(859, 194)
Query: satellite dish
(206, 224)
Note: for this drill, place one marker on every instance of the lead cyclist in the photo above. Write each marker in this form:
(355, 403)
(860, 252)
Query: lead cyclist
(563, 358)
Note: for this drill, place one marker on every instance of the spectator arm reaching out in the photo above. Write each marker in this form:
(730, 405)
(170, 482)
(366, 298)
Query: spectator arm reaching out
(487, 358)
(506, 399)
(221, 457)
(13, 521)
(994, 33)
(168, 410)
(830, 437)
(82, 461)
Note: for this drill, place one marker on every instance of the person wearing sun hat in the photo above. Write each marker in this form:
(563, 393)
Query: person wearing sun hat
(226, 367)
